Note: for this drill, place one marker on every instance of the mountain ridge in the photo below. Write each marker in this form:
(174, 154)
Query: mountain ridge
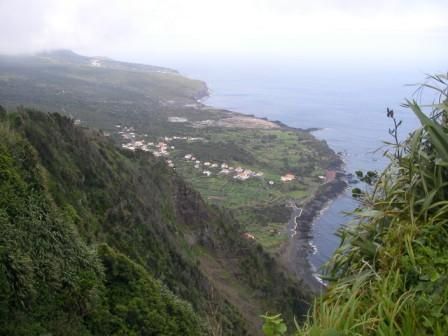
(69, 56)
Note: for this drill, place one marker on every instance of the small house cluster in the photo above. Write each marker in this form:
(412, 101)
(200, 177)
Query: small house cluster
(163, 147)
(245, 174)
(160, 149)
(238, 173)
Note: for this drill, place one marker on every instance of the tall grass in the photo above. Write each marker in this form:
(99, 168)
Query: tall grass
(390, 274)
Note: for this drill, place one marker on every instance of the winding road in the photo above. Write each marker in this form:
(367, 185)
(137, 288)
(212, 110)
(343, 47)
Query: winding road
(295, 255)
(296, 218)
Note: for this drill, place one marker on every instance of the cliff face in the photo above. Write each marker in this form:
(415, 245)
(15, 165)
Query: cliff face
(98, 240)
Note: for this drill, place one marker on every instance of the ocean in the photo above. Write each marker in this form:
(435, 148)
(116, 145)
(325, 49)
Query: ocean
(346, 103)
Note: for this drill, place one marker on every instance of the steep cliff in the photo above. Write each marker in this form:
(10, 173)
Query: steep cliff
(99, 240)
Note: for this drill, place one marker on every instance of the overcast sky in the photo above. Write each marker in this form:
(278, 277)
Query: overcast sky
(139, 29)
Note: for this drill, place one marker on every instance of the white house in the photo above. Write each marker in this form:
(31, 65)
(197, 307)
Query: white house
(288, 178)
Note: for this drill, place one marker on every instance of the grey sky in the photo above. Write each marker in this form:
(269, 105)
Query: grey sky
(166, 27)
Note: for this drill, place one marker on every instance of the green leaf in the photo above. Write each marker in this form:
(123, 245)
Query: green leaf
(437, 133)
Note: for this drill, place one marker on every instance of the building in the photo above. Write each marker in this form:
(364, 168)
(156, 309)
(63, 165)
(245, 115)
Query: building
(288, 178)
(248, 236)
(244, 175)
(128, 146)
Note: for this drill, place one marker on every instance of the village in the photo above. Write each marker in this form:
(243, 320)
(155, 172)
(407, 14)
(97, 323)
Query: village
(162, 148)
(222, 180)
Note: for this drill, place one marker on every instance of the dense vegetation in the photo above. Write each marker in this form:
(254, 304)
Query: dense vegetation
(102, 241)
(389, 276)
(51, 281)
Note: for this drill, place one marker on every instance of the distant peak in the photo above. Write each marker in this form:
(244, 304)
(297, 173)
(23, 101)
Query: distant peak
(64, 56)
(58, 52)
(67, 56)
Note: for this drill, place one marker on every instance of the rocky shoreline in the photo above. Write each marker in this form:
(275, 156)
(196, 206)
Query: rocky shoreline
(295, 253)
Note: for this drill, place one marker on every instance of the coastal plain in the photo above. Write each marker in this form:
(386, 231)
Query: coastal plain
(250, 165)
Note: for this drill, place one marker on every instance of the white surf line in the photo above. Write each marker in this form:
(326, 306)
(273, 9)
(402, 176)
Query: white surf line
(318, 278)
(313, 247)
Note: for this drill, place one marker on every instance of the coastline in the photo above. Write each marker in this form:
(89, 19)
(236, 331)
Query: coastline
(295, 252)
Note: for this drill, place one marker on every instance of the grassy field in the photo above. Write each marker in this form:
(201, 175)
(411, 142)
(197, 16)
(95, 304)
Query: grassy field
(257, 203)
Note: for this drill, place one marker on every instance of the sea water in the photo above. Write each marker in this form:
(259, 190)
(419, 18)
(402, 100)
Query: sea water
(346, 103)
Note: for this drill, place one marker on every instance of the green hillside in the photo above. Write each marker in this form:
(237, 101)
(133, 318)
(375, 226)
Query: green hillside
(102, 241)
(98, 91)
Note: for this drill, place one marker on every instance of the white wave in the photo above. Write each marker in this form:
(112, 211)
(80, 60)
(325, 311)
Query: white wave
(313, 248)
(318, 278)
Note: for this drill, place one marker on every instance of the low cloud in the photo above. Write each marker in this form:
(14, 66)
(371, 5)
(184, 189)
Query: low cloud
(169, 27)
